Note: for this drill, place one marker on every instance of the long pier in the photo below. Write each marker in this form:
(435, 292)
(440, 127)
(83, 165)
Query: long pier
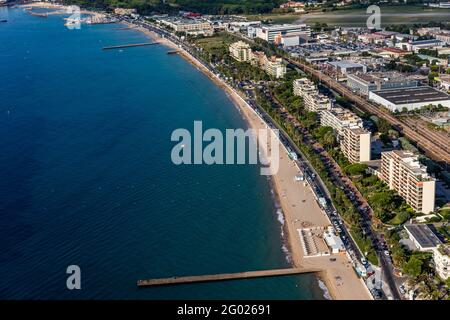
(224, 276)
(37, 14)
(130, 45)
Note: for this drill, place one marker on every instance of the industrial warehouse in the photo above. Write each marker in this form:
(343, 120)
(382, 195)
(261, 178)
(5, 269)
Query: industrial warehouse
(410, 98)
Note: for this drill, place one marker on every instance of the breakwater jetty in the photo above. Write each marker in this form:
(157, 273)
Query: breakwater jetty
(130, 45)
(224, 276)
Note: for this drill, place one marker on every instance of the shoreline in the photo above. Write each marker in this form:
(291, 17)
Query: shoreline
(287, 193)
(349, 286)
(59, 8)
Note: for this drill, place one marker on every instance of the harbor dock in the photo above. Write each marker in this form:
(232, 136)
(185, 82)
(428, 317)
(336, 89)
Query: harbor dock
(224, 276)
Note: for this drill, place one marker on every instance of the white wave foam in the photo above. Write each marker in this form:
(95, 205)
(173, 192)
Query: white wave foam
(326, 293)
(287, 253)
(280, 216)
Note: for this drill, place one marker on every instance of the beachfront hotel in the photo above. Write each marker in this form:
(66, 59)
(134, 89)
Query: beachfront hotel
(312, 99)
(241, 51)
(403, 172)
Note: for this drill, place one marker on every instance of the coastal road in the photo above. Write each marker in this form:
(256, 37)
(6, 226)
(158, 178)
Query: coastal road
(359, 202)
(316, 183)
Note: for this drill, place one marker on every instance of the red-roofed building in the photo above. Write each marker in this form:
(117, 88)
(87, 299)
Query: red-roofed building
(393, 52)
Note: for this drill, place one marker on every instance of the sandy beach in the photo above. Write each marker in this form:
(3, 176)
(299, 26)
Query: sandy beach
(297, 201)
(296, 198)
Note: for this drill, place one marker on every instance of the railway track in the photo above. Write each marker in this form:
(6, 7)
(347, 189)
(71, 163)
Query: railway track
(434, 146)
(421, 127)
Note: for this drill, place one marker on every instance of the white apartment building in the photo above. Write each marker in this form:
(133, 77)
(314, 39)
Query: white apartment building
(356, 144)
(441, 257)
(303, 86)
(317, 102)
(241, 51)
(274, 67)
(402, 172)
(312, 99)
(339, 119)
(353, 138)
(269, 33)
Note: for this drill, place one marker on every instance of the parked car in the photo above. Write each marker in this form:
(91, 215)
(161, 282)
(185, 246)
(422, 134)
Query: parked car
(402, 289)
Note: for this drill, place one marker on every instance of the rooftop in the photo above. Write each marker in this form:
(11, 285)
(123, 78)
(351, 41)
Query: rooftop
(422, 233)
(411, 161)
(431, 41)
(240, 44)
(284, 26)
(333, 241)
(394, 50)
(345, 64)
(382, 77)
(358, 130)
(344, 114)
(184, 20)
(423, 94)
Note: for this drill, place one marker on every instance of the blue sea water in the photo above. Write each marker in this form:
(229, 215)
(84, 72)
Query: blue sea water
(86, 177)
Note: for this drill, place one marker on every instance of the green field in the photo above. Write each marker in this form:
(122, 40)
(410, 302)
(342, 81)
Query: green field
(275, 18)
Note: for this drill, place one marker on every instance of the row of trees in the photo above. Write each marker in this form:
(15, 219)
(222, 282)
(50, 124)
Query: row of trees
(220, 7)
(327, 138)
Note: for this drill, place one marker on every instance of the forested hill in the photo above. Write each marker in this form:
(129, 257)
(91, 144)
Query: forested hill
(202, 6)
